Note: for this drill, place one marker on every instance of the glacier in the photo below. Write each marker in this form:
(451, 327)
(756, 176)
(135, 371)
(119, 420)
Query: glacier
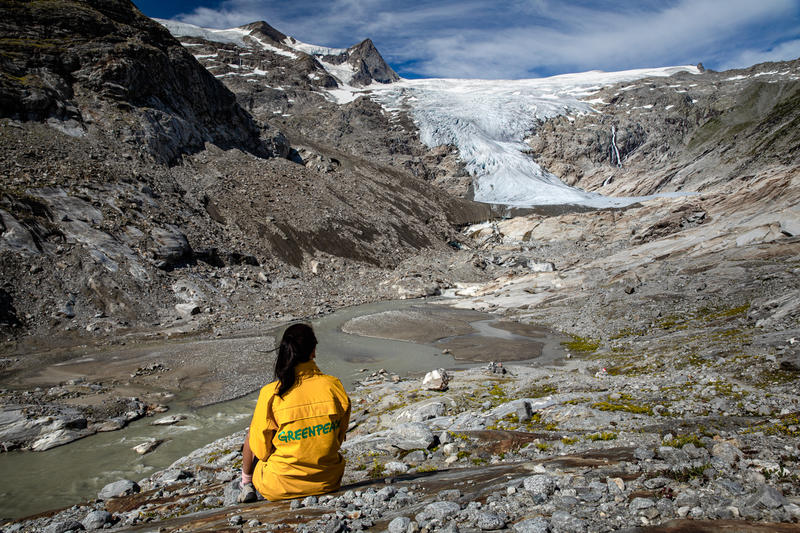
(486, 120)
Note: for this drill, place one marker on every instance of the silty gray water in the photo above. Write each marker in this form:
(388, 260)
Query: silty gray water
(33, 482)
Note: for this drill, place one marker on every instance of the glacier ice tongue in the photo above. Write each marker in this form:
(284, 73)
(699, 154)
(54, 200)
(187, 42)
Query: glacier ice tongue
(487, 120)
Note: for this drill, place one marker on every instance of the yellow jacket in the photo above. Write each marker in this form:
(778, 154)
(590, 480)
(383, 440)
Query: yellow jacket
(297, 438)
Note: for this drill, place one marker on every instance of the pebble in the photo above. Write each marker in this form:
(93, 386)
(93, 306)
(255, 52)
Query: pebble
(490, 522)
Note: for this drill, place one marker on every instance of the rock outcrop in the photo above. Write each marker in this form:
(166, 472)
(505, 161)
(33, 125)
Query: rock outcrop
(103, 67)
(712, 132)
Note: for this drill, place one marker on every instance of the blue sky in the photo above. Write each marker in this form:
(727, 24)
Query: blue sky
(521, 38)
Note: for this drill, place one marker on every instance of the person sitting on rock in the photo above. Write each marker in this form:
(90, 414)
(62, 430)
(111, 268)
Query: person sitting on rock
(299, 424)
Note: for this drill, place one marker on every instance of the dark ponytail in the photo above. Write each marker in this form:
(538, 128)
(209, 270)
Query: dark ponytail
(296, 347)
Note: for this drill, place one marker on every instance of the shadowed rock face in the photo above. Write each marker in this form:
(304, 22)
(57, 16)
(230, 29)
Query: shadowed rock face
(105, 66)
(369, 65)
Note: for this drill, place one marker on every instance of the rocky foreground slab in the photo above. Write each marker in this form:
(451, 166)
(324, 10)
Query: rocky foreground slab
(560, 448)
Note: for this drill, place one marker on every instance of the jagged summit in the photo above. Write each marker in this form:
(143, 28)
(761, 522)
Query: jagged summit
(357, 66)
(264, 30)
(369, 64)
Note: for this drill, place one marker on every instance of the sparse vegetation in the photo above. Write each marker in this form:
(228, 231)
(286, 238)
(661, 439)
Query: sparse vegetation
(377, 470)
(539, 391)
(581, 345)
(605, 435)
(624, 403)
(687, 474)
(680, 441)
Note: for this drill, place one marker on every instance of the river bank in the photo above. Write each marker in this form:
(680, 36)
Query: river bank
(552, 448)
(77, 470)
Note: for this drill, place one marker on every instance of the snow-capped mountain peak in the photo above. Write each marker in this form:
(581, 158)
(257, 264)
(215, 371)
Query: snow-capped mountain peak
(353, 67)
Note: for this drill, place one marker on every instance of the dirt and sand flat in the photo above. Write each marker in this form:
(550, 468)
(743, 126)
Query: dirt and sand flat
(469, 336)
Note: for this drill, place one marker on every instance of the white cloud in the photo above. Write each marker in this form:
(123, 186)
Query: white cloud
(586, 39)
(515, 38)
(227, 17)
(783, 52)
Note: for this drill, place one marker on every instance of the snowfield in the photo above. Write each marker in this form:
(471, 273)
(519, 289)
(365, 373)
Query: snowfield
(487, 120)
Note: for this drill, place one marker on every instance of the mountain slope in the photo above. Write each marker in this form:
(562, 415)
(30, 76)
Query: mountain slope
(708, 133)
(102, 66)
(134, 181)
(302, 90)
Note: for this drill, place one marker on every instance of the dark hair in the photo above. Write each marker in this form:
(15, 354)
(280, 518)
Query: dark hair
(297, 344)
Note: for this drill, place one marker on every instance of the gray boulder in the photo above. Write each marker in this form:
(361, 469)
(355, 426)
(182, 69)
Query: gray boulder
(399, 525)
(169, 245)
(449, 495)
(123, 487)
(767, 497)
(490, 522)
(415, 457)
(420, 413)
(539, 486)
(411, 436)
(64, 526)
(96, 519)
(440, 510)
(726, 452)
(15, 236)
(687, 498)
(532, 525)
(56, 438)
(112, 424)
(643, 454)
(790, 226)
(639, 504)
(231, 494)
(395, 467)
(673, 455)
(563, 521)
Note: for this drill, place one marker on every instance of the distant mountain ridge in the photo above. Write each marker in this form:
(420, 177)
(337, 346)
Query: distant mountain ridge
(357, 66)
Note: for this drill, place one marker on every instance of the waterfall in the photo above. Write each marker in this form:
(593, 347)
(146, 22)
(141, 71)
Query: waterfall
(614, 148)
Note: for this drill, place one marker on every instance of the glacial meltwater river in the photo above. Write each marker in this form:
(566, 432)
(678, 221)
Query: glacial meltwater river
(32, 482)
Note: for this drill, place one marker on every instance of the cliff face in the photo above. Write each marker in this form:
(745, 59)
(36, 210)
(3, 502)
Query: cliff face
(711, 132)
(103, 67)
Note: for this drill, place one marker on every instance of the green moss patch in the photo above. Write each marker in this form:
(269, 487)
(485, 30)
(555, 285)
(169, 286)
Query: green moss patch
(681, 440)
(581, 345)
(625, 403)
(605, 435)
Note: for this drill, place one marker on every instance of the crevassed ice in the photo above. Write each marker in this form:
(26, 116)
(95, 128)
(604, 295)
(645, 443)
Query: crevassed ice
(487, 120)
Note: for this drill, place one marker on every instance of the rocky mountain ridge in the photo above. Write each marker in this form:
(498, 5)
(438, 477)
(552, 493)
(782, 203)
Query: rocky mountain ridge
(703, 133)
(227, 197)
